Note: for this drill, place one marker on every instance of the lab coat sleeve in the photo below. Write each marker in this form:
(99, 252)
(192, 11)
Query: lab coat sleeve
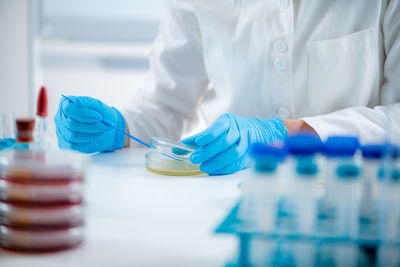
(370, 124)
(177, 79)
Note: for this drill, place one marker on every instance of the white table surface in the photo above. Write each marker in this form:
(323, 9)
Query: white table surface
(137, 218)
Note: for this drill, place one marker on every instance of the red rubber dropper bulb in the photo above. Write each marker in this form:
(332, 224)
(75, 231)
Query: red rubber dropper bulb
(41, 107)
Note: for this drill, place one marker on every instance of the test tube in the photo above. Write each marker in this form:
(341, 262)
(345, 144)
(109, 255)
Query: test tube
(7, 121)
(260, 192)
(302, 185)
(297, 204)
(369, 202)
(389, 196)
(7, 134)
(340, 201)
(369, 219)
(389, 221)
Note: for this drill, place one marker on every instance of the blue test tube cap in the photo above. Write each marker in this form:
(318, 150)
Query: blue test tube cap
(341, 146)
(266, 156)
(303, 144)
(394, 151)
(262, 149)
(375, 151)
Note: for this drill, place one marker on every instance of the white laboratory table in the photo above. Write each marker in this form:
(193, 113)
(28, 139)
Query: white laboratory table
(137, 218)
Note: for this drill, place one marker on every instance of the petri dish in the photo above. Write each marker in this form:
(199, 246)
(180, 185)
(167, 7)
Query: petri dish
(44, 240)
(50, 166)
(41, 193)
(161, 164)
(172, 148)
(37, 217)
(42, 177)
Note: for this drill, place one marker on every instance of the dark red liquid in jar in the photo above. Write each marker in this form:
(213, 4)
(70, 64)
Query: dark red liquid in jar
(25, 128)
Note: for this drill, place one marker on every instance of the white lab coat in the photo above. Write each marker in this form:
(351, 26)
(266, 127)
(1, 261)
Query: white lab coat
(325, 62)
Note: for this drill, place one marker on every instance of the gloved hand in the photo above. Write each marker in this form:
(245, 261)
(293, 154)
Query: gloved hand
(224, 146)
(79, 125)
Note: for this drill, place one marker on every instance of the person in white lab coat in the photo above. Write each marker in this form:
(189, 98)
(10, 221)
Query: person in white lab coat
(266, 68)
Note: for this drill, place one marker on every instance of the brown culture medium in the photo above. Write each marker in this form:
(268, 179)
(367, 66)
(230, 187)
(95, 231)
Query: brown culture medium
(25, 127)
(160, 164)
(39, 217)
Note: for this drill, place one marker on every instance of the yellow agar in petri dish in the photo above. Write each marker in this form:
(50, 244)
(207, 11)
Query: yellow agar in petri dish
(160, 164)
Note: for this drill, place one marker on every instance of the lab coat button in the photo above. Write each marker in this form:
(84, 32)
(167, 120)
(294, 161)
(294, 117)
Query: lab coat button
(284, 3)
(283, 112)
(280, 46)
(280, 64)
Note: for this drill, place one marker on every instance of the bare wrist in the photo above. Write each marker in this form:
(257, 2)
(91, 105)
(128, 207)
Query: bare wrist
(293, 126)
(127, 139)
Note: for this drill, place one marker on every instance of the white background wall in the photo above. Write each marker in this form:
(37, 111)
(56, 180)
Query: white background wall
(103, 20)
(96, 48)
(15, 95)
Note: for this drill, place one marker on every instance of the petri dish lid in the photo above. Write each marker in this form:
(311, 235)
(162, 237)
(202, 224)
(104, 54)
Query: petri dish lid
(172, 148)
(42, 165)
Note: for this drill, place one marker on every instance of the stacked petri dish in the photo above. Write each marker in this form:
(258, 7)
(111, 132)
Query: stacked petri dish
(41, 200)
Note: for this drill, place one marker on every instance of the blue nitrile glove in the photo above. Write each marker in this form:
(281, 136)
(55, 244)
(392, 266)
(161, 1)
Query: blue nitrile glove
(79, 125)
(224, 146)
